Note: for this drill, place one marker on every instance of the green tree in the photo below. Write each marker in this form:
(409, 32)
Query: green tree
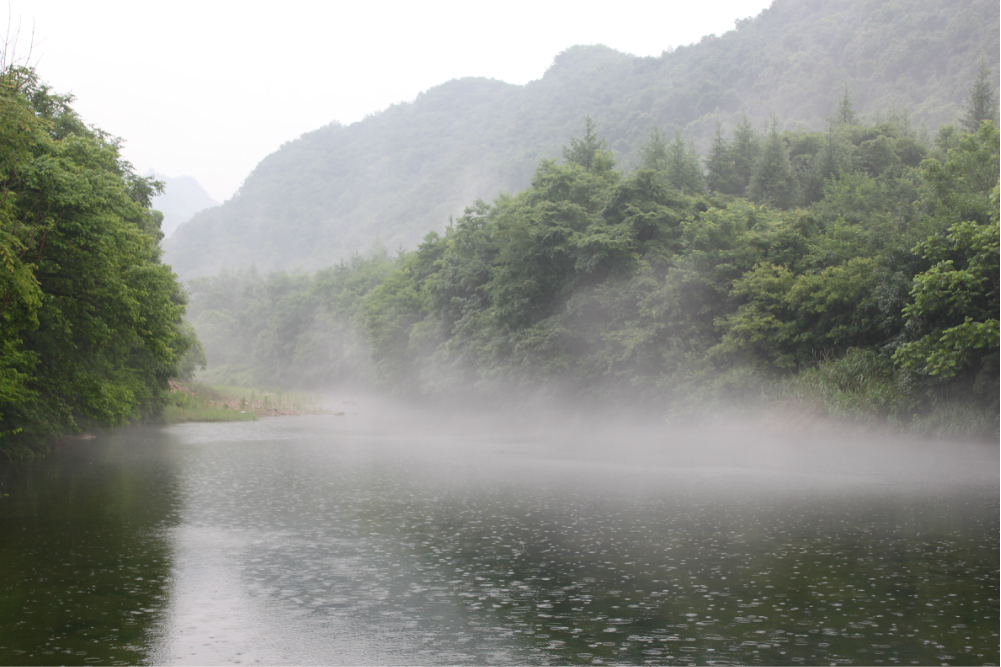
(96, 333)
(953, 320)
(393, 309)
(194, 358)
(652, 212)
(774, 181)
(653, 153)
(787, 319)
(845, 113)
(20, 294)
(746, 152)
(590, 151)
(721, 166)
(457, 290)
(982, 104)
(957, 186)
(684, 169)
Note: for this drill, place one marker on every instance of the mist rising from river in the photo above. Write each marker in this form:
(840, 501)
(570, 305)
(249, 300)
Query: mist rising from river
(399, 534)
(772, 450)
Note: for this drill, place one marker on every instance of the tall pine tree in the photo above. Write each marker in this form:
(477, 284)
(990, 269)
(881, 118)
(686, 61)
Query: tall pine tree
(774, 181)
(746, 150)
(721, 173)
(983, 101)
(684, 171)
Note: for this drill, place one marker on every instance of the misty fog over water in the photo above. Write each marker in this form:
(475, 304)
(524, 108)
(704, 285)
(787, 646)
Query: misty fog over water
(390, 535)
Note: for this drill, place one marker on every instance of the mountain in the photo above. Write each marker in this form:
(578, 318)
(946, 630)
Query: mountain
(400, 173)
(182, 198)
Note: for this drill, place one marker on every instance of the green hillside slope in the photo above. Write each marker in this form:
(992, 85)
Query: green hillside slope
(395, 175)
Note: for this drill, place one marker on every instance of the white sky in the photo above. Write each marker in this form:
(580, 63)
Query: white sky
(207, 89)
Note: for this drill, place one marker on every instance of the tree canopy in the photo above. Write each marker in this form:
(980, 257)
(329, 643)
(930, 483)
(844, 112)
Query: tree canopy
(90, 316)
(855, 252)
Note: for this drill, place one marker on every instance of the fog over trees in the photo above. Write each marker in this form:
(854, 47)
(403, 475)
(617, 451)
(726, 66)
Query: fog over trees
(855, 273)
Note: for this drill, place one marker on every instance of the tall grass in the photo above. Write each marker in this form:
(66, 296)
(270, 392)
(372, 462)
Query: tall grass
(864, 389)
(267, 401)
(861, 388)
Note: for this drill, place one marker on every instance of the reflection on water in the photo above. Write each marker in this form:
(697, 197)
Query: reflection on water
(357, 540)
(83, 543)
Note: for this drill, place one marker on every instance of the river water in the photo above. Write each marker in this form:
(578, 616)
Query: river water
(390, 537)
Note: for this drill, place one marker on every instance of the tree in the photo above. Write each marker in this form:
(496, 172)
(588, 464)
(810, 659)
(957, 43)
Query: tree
(746, 151)
(721, 173)
(774, 182)
(954, 313)
(589, 152)
(786, 319)
(194, 359)
(982, 104)
(654, 151)
(684, 171)
(92, 318)
(958, 186)
(20, 294)
(845, 113)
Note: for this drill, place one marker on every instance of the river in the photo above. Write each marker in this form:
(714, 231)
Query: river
(389, 536)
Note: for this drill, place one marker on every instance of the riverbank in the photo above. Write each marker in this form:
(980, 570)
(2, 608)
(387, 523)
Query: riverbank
(195, 402)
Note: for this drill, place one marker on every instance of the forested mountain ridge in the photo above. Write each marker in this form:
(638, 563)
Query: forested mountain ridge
(404, 171)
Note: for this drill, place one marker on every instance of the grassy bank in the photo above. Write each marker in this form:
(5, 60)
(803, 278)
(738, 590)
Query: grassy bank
(216, 403)
(864, 390)
(201, 403)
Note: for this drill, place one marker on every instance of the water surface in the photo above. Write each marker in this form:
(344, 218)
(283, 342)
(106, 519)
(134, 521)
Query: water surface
(391, 537)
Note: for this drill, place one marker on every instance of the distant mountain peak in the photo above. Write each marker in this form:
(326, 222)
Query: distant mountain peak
(182, 198)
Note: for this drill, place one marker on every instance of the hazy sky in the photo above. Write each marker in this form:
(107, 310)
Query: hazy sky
(207, 89)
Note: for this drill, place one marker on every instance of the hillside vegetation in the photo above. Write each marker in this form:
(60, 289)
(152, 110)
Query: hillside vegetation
(402, 172)
(850, 273)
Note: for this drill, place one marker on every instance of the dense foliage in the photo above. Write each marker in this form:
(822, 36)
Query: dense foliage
(89, 316)
(854, 268)
(402, 172)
